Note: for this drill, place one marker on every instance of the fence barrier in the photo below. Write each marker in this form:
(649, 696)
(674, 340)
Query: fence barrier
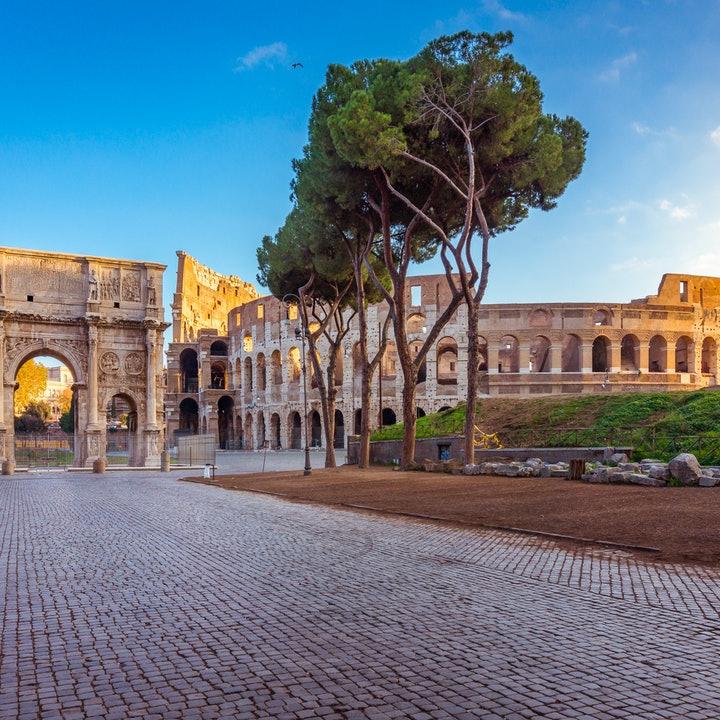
(647, 441)
(195, 450)
(53, 448)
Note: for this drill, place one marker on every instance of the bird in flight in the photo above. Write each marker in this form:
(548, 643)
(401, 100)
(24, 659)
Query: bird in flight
(295, 66)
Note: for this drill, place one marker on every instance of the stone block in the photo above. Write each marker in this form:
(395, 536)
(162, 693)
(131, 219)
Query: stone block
(660, 472)
(640, 479)
(471, 470)
(560, 473)
(685, 468)
(708, 480)
(617, 477)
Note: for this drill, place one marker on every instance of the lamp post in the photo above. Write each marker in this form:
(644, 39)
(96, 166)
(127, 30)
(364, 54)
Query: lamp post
(301, 334)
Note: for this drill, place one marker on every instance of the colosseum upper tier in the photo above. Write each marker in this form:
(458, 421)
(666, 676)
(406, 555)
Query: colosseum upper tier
(239, 376)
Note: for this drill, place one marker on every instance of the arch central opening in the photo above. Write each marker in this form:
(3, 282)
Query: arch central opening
(45, 412)
(121, 424)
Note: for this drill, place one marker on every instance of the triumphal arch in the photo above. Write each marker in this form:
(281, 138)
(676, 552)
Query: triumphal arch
(103, 318)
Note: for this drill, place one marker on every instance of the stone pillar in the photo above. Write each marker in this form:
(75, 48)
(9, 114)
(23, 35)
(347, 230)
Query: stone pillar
(3, 452)
(493, 356)
(151, 373)
(92, 375)
(556, 357)
(524, 358)
(586, 353)
(644, 366)
(670, 357)
(7, 433)
(93, 434)
(615, 356)
(152, 431)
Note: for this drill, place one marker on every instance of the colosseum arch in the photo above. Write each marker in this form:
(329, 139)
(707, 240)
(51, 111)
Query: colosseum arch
(103, 319)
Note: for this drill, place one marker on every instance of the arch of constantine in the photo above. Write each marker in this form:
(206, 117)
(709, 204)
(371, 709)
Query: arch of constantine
(103, 318)
(239, 378)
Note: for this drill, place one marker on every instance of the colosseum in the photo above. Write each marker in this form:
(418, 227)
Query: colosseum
(234, 363)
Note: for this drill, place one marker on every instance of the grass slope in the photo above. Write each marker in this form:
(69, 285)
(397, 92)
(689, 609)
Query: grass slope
(656, 424)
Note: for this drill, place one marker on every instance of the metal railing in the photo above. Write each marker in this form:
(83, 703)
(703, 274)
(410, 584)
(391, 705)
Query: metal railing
(648, 441)
(53, 448)
(195, 450)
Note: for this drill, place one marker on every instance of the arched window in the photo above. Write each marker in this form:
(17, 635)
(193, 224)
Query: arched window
(217, 376)
(684, 355)
(294, 365)
(447, 361)
(509, 355)
(225, 409)
(602, 318)
(540, 355)
(415, 324)
(601, 354)
(571, 360)
(188, 417)
(261, 372)
(219, 348)
(189, 370)
(657, 360)
(276, 363)
(709, 356)
(630, 353)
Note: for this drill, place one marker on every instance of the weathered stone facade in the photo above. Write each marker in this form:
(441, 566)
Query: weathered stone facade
(667, 341)
(203, 299)
(103, 318)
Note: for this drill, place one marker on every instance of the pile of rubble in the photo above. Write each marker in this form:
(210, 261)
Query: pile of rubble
(533, 467)
(681, 470)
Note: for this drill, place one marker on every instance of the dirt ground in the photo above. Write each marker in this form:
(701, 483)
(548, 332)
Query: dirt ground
(682, 523)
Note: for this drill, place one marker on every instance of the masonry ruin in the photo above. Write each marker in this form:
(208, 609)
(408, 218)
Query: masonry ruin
(244, 385)
(102, 318)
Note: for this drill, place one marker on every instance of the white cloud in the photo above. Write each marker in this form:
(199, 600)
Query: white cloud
(268, 55)
(715, 135)
(677, 212)
(646, 131)
(617, 66)
(622, 220)
(495, 7)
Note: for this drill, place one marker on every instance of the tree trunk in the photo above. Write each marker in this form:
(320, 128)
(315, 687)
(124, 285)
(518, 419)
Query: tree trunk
(472, 381)
(364, 450)
(409, 371)
(329, 412)
(409, 419)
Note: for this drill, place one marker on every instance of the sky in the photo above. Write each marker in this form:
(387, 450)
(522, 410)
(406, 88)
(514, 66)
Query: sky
(135, 129)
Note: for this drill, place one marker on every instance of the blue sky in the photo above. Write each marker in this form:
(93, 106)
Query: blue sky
(139, 128)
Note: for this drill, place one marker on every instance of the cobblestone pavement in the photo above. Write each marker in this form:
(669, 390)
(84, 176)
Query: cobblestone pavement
(139, 596)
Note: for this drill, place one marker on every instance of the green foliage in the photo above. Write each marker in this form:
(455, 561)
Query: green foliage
(67, 422)
(34, 418)
(655, 424)
(67, 419)
(449, 422)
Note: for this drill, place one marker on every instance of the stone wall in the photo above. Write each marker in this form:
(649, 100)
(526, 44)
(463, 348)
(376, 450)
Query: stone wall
(203, 298)
(668, 341)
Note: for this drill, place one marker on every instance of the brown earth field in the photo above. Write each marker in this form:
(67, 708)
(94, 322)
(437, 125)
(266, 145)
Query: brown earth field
(682, 524)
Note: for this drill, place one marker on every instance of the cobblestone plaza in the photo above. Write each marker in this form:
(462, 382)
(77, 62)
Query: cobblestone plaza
(140, 596)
